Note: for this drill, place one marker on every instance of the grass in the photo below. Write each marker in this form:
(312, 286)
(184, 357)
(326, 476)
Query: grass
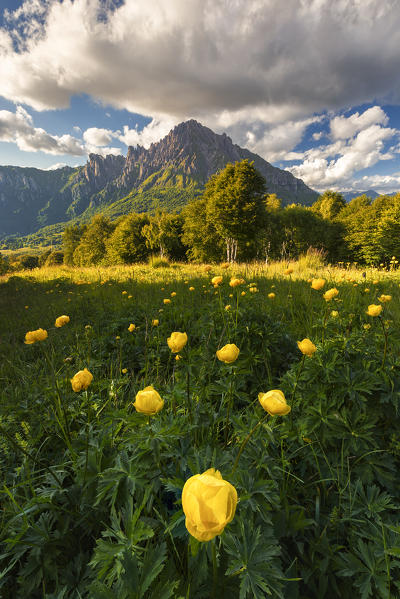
(91, 489)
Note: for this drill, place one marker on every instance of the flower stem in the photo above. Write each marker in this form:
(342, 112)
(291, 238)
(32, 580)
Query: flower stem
(215, 571)
(243, 445)
(385, 333)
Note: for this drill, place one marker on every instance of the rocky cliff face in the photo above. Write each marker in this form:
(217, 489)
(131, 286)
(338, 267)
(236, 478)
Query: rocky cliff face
(182, 161)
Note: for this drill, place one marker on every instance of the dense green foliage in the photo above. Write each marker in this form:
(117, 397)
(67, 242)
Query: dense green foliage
(91, 489)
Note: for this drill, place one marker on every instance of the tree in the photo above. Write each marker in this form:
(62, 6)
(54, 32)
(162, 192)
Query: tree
(235, 203)
(163, 233)
(71, 239)
(127, 243)
(200, 236)
(329, 204)
(92, 246)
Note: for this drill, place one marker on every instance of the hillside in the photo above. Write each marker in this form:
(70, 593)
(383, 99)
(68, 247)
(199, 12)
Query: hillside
(167, 175)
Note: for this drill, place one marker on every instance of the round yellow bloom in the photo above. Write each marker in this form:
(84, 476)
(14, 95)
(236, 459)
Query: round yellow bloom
(124, 370)
(271, 295)
(61, 321)
(384, 298)
(217, 280)
(366, 290)
(173, 294)
(148, 401)
(81, 380)
(334, 313)
(191, 288)
(130, 296)
(228, 354)
(317, 283)
(131, 328)
(33, 336)
(124, 293)
(209, 504)
(274, 402)
(177, 357)
(253, 289)
(177, 341)
(235, 282)
(243, 293)
(167, 300)
(330, 294)
(207, 268)
(288, 271)
(374, 309)
(366, 326)
(306, 347)
(225, 265)
(228, 307)
(155, 322)
(375, 282)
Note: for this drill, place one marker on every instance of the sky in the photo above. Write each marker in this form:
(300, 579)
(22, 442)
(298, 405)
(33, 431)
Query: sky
(312, 86)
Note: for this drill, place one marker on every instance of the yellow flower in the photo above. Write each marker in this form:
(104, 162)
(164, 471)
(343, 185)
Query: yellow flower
(130, 296)
(124, 293)
(288, 271)
(384, 298)
(217, 280)
(209, 504)
(26, 307)
(148, 401)
(177, 357)
(81, 380)
(228, 307)
(167, 301)
(33, 336)
(330, 294)
(374, 309)
(366, 290)
(177, 341)
(61, 321)
(191, 288)
(124, 370)
(274, 403)
(334, 313)
(173, 294)
(155, 322)
(243, 293)
(366, 326)
(306, 347)
(228, 354)
(317, 283)
(235, 282)
(271, 295)
(225, 265)
(131, 328)
(207, 268)
(375, 282)
(253, 289)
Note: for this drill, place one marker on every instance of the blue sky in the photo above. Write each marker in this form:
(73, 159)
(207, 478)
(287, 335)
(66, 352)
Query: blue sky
(312, 87)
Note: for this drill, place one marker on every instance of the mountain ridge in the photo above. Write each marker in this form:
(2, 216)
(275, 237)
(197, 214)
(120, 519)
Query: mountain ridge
(166, 175)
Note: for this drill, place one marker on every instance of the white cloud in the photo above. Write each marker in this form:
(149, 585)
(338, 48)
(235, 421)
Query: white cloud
(359, 143)
(151, 133)
(318, 135)
(380, 183)
(56, 166)
(198, 58)
(98, 137)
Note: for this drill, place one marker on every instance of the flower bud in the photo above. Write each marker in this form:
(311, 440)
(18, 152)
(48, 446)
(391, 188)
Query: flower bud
(148, 401)
(306, 347)
(177, 341)
(81, 380)
(228, 354)
(274, 402)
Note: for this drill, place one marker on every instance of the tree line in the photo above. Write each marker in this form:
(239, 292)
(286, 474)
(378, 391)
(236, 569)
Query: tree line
(237, 219)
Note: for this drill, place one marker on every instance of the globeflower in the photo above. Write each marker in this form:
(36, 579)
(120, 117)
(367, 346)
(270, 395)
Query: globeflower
(271, 295)
(235, 282)
(317, 284)
(148, 401)
(61, 321)
(374, 309)
(228, 354)
(207, 267)
(173, 294)
(191, 288)
(306, 347)
(209, 504)
(225, 265)
(334, 313)
(177, 341)
(166, 300)
(131, 328)
(288, 271)
(217, 280)
(274, 402)
(33, 336)
(81, 380)
(155, 322)
(228, 307)
(330, 294)
(384, 298)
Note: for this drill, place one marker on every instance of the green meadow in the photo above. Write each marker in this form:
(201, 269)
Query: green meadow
(91, 488)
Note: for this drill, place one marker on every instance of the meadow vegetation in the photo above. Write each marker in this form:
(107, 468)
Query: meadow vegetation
(93, 469)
